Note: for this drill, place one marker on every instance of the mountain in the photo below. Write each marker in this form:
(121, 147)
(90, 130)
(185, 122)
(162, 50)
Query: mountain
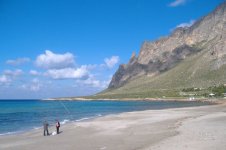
(191, 57)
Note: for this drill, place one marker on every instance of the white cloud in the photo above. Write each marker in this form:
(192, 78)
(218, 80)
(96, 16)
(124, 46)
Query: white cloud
(91, 67)
(186, 24)
(9, 75)
(177, 3)
(14, 73)
(34, 73)
(35, 85)
(4, 79)
(111, 62)
(92, 82)
(50, 60)
(18, 61)
(68, 73)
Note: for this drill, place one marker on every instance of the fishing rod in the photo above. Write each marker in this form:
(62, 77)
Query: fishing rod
(66, 110)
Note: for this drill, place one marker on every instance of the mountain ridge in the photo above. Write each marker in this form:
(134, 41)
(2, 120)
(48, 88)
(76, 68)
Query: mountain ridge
(165, 53)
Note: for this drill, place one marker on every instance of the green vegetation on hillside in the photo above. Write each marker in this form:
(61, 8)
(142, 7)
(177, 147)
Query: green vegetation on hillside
(219, 90)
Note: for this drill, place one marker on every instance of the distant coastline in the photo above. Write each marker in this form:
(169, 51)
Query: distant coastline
(213, 100)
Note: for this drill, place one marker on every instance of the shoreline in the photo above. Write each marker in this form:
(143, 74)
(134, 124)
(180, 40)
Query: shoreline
(66, 121)
(155, 126)
(30, 129)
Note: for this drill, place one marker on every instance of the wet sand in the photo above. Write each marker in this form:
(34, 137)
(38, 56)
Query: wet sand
(193, 128)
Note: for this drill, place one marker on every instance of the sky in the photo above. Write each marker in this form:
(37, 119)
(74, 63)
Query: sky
(63, 48)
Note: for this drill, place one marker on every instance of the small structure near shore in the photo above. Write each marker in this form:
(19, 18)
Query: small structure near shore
(211, 94)
(192, 98)
(224, 95)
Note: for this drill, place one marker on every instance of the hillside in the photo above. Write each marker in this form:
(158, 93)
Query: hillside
(190, 58)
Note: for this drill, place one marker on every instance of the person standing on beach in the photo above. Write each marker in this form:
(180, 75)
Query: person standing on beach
(57, 126)
(45, 127)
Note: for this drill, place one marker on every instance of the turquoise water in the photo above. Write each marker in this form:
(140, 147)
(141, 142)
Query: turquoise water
(22, 115)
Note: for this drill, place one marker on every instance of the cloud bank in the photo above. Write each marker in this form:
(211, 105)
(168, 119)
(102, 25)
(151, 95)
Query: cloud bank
(57, 69)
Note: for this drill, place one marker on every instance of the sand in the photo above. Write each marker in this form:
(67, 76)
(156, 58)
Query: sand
(194, 128)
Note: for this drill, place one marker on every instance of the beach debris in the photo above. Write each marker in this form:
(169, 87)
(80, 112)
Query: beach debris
(54, 133)
(103, 147)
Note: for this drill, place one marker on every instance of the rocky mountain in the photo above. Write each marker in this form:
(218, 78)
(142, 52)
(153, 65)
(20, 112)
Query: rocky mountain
(205, 39)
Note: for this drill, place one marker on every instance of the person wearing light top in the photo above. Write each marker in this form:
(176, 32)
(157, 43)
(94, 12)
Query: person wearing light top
(57, 126)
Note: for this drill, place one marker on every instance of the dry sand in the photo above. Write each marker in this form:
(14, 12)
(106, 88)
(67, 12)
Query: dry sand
(194, 128)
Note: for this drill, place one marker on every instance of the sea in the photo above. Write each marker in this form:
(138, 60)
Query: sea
(17, 116)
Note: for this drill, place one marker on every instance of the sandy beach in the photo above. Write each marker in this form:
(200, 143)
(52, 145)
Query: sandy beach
(194, 128)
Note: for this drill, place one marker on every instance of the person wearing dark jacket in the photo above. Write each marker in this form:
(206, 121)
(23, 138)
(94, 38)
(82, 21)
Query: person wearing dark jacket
(45, 127)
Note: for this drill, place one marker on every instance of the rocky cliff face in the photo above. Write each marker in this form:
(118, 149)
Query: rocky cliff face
(159, 56)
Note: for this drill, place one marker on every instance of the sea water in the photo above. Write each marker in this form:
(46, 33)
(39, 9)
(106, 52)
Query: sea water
(23, 115)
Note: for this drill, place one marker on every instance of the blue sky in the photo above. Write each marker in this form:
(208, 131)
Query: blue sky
(55, 48)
